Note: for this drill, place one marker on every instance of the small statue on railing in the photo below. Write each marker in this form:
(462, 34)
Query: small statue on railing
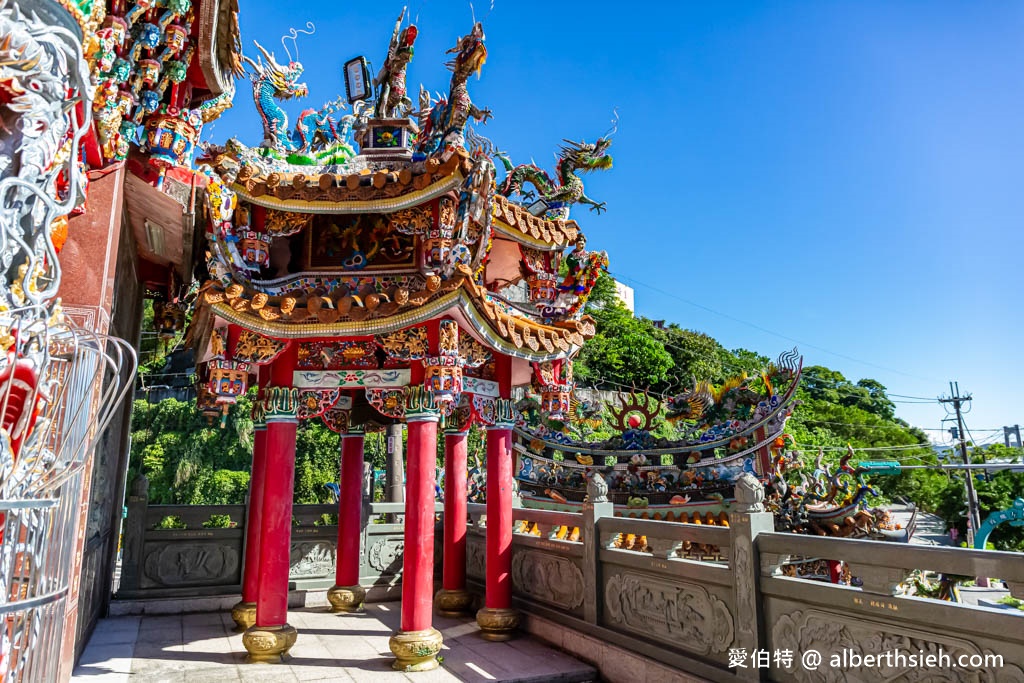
(749, 494)
(597, 488)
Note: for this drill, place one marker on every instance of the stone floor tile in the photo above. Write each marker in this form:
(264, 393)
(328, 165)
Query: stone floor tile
(161, 677)
(321, 673)
(471, 672)
(110, 655)
(330, 647)
(83, 674)
(266, 673)
(439, 675)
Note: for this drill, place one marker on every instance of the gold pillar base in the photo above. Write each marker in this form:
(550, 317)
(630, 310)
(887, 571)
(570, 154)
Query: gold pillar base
(497, 623)
(269, 643)
(454, 602)
(244, 614)
(346, 598)
(416, 650)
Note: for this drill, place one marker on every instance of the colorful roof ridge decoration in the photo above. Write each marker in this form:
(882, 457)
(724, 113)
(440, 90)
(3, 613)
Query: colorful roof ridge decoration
(325, 192)
(727, 418)
(515, 221)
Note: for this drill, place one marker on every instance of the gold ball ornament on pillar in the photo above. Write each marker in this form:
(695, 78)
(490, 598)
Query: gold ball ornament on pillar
(453, 603)
(416, 650)
(346, 598)
(497, 623)
(244, 614)
(269, 644)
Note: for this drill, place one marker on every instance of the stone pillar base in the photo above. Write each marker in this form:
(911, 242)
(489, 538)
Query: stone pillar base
(346, 598)
(453, 603)
(416, 650)
(497, 623)
(269, 643)
(244, 614)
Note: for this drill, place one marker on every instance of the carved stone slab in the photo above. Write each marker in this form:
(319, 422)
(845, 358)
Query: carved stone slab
(475, 558)
(386, 555)
(171, 565)
(311, 560)
(830, 633)
(549, 578)
(682, 614)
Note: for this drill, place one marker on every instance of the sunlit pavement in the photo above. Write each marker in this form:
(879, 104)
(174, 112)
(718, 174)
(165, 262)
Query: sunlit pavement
(354, 647)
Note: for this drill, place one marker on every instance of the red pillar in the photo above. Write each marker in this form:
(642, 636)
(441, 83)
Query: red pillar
(418, 561)
(244, 613)
(417, 643)
(499, 518)
(271, 637)
(347, 595)
(453, 598)
(497, 620)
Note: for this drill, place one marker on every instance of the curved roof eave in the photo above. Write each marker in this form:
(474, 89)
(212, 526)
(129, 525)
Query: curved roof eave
(458, 300)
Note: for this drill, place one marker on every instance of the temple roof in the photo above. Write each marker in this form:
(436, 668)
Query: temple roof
(380, 190)
(498, 324)
(515, 222)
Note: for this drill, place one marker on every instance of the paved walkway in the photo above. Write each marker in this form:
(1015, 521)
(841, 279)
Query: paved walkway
(205, 648)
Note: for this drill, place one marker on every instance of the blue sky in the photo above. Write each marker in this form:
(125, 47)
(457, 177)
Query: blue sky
(849, 175)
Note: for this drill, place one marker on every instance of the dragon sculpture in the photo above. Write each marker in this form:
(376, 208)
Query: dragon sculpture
(392, 101)
(443, 123)
(315, 129)
(575, 157)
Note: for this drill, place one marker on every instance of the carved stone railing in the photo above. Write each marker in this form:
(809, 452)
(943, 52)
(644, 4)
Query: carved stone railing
(801, 615)
(196, 560)
(651, 599)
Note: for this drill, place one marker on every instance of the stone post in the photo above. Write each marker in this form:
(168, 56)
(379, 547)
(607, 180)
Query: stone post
(394, 485)
(134, 533)
(747, 521)
(592, 579)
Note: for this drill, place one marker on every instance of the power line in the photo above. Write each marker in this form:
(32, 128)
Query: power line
(765, 329)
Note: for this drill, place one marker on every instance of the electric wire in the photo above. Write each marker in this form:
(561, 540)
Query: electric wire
(765, 329)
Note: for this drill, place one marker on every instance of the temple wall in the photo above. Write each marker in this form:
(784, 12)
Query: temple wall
(99, 260)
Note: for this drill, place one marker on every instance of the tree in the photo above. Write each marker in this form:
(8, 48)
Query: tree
(623, 353)
(695, 355)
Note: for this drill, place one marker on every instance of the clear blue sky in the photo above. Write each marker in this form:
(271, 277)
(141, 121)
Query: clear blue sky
(850, 175)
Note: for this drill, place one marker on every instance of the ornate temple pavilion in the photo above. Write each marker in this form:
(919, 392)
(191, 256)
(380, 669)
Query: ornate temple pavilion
(364, 289)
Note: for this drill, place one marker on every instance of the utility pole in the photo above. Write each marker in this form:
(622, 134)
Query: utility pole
(973, 511)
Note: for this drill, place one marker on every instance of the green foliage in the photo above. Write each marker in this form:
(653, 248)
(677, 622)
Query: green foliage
(624, 352)
(171, 522)
(1012, 602)
(188, 461)
(219, 522)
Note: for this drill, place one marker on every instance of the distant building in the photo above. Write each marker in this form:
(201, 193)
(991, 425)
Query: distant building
(625, 294)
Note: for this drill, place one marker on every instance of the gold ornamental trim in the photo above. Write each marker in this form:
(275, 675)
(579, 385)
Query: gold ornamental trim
(404, 201)
(459, 298)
